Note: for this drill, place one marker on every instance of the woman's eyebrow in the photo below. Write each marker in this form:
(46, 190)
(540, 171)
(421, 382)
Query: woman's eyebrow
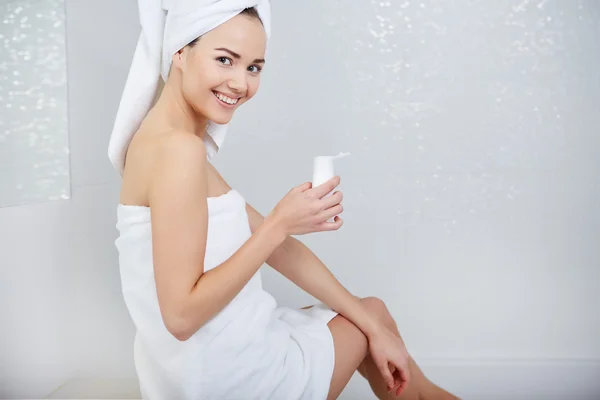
(237, 56)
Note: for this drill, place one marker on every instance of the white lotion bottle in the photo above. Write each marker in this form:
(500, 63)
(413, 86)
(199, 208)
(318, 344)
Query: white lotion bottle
(323, 171)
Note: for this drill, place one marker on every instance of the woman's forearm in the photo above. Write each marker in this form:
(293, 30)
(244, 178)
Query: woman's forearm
(299, 264)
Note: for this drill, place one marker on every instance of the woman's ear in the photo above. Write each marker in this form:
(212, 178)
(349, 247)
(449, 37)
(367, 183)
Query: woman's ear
(178, 58)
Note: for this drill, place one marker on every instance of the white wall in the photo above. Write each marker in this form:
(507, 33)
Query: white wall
(61, 315)
(470, 197)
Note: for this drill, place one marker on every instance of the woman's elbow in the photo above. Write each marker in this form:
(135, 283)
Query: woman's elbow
(179, 330)
(177, 326)
(182, 322)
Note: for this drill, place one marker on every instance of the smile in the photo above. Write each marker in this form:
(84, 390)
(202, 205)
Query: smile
(225, 100)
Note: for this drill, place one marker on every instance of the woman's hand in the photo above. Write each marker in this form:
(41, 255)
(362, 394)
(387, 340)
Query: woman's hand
(305, 209)
(391, 357)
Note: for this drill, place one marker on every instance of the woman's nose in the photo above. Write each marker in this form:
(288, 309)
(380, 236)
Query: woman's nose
(238, 83)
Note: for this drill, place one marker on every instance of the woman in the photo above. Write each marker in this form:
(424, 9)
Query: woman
(190, 247)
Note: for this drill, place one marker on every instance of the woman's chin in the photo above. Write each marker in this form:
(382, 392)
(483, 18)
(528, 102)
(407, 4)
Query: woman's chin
(221, 118)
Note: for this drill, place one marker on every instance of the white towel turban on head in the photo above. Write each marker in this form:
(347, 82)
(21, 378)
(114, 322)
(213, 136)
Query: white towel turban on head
(168, 26)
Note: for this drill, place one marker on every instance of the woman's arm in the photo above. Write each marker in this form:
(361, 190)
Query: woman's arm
(188, 296)
(300, 265)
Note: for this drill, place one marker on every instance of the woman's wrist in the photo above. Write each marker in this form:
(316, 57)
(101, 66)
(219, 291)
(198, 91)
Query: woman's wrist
(368, 323)
(373, 329)
(272, 224)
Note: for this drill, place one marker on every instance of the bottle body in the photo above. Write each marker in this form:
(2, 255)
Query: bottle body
(323, 171)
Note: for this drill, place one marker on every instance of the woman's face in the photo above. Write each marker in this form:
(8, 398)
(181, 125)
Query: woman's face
(222, 70)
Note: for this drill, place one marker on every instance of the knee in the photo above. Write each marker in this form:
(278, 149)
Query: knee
(375, 304)
(377, 307)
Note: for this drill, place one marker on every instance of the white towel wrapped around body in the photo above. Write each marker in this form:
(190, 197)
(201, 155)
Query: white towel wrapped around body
(252, 349)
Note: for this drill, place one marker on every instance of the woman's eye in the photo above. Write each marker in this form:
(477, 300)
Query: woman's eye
(224, 60)
(256, 68)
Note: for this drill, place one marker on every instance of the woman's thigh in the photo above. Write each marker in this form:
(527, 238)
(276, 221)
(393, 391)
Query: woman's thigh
(350, 346)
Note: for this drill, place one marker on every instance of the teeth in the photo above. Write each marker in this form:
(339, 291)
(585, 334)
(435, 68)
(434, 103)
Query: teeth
(225, 99)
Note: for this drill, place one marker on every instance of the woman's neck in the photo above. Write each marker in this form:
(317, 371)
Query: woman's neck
(172, 108)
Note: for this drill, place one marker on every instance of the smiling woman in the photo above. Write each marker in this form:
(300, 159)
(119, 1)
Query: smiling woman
(228, 64)
(191, 248)
(202, 245)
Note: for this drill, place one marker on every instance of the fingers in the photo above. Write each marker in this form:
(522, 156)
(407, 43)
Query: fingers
(404, 377)
(326, 187)
(400, 378)
(330, 212)
(405, 374)
(395, 377)
(331, 226)
(387, 375)
(331, 206)
(332, 200)
(304, 187)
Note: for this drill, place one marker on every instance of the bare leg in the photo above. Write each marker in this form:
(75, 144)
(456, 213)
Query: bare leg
(351, 354)
(419, 388)
(350, 351)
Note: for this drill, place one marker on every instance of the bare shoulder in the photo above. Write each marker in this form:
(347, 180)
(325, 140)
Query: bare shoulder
(176, 147)
(179, 167)
(150, 153)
